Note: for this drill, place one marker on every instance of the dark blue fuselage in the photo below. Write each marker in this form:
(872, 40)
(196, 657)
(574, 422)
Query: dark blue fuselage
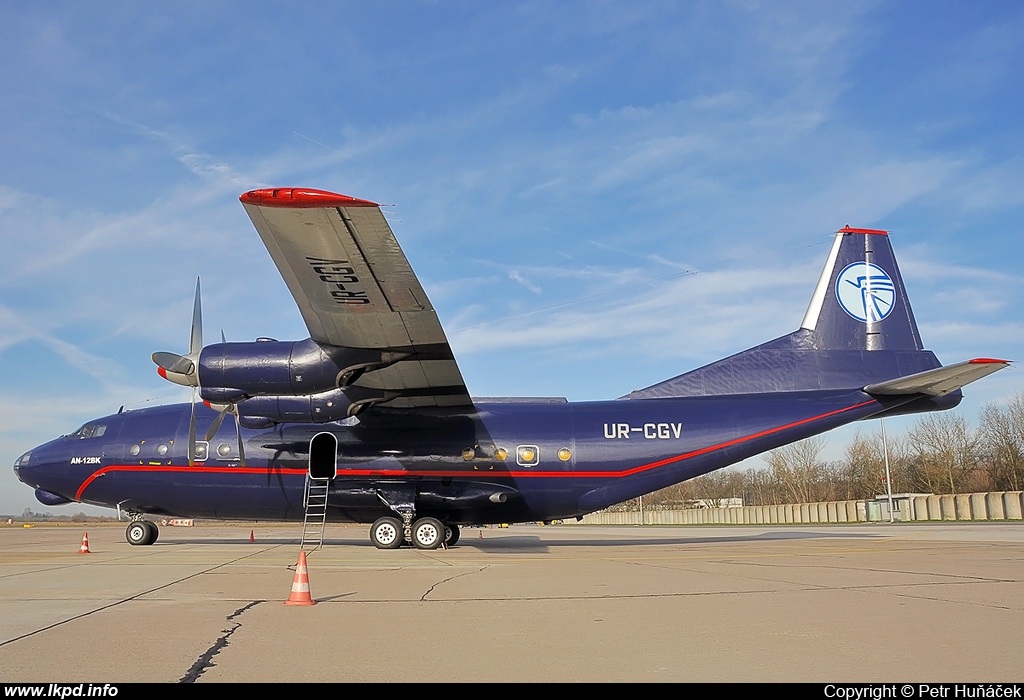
(503, 462)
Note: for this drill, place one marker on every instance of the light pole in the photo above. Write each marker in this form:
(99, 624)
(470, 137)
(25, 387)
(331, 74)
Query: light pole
(888, 477)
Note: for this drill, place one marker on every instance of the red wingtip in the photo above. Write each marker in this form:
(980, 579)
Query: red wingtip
(301, 198)
(988, 361)
(162, 372)
(876, 231)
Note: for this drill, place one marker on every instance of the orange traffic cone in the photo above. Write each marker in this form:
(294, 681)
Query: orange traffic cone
(300, 585)
(84, 549)
(252, 536)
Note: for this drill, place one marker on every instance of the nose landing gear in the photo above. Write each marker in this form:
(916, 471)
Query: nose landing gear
(141, 532)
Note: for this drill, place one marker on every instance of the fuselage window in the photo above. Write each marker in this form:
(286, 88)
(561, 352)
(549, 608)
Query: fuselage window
(89, 431)
(527, 455)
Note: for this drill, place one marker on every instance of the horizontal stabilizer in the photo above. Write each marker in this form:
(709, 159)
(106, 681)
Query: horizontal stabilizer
(940, 381)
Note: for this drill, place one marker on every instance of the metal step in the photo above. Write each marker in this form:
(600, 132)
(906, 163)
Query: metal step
(315, 502)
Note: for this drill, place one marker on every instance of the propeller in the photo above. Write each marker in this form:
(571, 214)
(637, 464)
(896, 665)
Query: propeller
(215, 426)
(233, 410)
(181, 369)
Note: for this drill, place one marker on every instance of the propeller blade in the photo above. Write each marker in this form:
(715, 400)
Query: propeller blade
(195, 345)
(173, 362)
(182, 369)
(215, 426)
(192, 433)
(238, 430)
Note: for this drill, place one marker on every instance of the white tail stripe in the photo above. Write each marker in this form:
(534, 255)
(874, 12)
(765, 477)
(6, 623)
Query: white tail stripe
(818, 298)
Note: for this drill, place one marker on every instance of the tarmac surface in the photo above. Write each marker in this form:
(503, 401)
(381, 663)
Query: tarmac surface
(942, 602)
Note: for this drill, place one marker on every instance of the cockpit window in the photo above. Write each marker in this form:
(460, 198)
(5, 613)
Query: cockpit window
(89, 430)
(23, 459)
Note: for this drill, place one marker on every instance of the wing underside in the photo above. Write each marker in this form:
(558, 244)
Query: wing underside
(355, 288)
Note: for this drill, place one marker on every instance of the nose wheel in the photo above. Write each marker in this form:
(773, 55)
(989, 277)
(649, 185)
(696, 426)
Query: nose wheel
(140, 532)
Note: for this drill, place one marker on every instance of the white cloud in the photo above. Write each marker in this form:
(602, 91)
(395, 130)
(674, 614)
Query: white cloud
(515, 276)
(686, 317)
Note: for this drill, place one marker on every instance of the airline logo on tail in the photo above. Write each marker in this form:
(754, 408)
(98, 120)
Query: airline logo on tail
(866, 292)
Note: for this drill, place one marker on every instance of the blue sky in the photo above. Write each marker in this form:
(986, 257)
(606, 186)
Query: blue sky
(595, 195)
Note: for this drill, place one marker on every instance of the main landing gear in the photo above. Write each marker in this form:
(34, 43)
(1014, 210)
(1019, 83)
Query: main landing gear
(389, 532)
(386, 533)
(141, 532)
(451, 534)
(392, 531)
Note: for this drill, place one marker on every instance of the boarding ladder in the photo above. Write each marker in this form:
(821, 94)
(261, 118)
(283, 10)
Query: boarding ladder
(315, 502)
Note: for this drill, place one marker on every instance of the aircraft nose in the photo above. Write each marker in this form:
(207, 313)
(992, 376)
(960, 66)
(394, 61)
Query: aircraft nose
(43, 468)
(21, 467)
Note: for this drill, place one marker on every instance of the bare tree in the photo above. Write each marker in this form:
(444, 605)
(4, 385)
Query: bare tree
(944, 453)
(863, 474)
(1002, 437)
(797, 469)
(864, 467)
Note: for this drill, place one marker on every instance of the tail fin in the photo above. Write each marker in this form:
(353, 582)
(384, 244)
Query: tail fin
(860, 302)
(859, 330)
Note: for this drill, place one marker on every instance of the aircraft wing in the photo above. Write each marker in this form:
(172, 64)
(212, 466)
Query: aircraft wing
(939, 381)
(355, 288)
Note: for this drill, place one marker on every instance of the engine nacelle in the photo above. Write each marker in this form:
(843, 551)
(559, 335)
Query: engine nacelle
(268, 368)
(267, 411)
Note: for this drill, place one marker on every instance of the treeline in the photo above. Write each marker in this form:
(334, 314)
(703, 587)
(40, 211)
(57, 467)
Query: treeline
(29, 515)
(940, 454)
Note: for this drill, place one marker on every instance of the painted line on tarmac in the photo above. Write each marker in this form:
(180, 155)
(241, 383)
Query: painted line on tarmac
(134, 597)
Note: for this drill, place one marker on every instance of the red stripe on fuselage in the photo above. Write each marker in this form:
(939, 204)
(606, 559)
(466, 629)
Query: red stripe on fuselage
(517, 473)
(171, 468)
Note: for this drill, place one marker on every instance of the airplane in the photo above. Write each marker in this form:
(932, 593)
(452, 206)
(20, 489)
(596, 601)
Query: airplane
(373, 407)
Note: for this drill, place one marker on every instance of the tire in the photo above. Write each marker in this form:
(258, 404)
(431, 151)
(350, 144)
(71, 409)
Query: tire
(387, 533)
(139, 532)
(427, 533)
(451, 534)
